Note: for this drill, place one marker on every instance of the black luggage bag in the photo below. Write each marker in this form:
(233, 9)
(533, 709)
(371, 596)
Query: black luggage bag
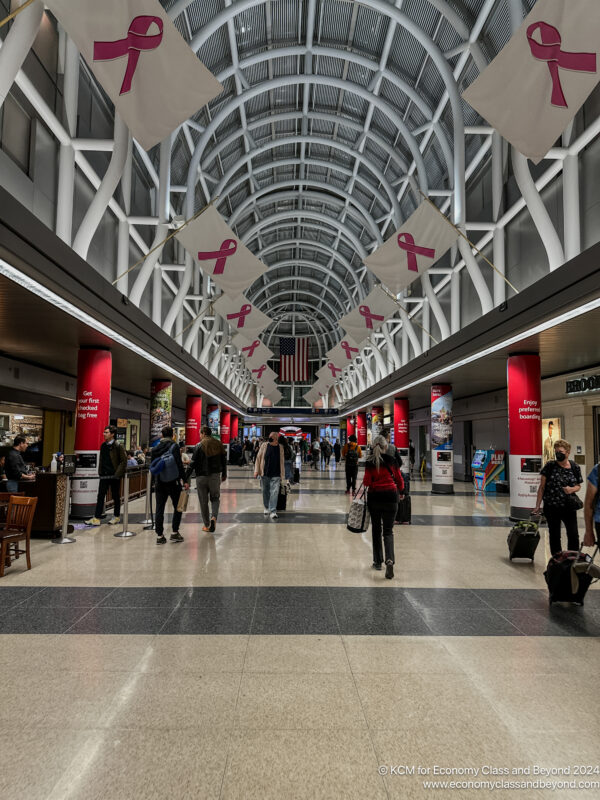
(282, 499)
(523, 540)
(296, 475)
(569, 575)
(404, 510)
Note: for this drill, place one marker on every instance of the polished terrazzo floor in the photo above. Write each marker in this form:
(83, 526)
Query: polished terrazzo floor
(269, 661)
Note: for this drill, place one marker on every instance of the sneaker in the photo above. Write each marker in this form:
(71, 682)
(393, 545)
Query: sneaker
(377, 566)
(274, 515)
(93, 521)
(161, 540)
(176, 537)
(389, 569)
(266, 512)
(213, 524)
(114, 520)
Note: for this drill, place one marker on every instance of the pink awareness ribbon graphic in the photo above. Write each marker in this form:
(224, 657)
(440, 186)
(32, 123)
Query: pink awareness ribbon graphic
(251, 348)
(241, 315)
(260, 371)
(548, 49)
(366, 312)
(132, 45)
(407, 243)
(334, 369)
(228, 248)
(348, 350)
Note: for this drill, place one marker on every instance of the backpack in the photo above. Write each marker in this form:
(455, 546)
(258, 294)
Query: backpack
(352, 457)
(165, 467)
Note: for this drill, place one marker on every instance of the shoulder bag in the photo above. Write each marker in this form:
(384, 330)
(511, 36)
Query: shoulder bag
(359, 518)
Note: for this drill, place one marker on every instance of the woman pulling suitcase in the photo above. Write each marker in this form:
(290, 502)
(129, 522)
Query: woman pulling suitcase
(385, 486)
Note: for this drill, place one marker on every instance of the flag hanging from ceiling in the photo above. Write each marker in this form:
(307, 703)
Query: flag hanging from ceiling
(329, 373)
(147, 69)
(310, 397)
(343, 353)
(369, 316)
(253, 350)
(263, 375)
(537, 83)
(220, 254)
(241, 315)
(293, 359)
(274, 397)
(423, 239)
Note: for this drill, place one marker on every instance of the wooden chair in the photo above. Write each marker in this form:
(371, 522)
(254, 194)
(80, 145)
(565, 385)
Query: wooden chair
(4, 501)
(17, 528)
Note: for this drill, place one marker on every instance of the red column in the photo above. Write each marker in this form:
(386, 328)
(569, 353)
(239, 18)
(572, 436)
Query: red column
(401, 417)
(351, 426)
(525, 432)
(361, 428)
(193, 419)
(225, 426)
(94, 370)
(235, 426)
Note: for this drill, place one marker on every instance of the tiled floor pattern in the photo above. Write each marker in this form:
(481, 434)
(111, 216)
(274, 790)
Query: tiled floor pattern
(138, 717)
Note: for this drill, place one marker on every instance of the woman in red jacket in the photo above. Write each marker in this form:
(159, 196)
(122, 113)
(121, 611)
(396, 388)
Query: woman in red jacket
(385, 485)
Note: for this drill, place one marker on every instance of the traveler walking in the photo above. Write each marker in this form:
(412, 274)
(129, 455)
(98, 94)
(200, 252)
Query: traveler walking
(247, 452)
(559, 482)
(209, 465)
(316, 453)
(352, 454)
(385, 486)
(287, 458)
(112, 466)
(592, 509)
(271, 470)
(168, 484)
(325, 451)
(337, 451)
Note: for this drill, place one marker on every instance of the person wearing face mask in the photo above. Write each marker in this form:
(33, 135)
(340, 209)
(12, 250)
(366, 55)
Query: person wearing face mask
(560, 481)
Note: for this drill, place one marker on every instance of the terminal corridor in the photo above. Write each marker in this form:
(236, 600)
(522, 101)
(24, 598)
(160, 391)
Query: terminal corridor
(268, 659)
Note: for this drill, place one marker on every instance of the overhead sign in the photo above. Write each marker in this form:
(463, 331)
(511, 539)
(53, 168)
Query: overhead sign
(591, 384)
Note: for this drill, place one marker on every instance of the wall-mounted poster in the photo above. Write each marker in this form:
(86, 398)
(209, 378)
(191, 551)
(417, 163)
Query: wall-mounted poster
(551, 432)
(161, 406)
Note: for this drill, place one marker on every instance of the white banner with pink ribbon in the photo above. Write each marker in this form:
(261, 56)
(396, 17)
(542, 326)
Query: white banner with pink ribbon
(369, 316)
(147, 69)
(241, 315)
(328, 374)
(310, 397)
(263, 375)
(421, 241)
(220, 254)
(344, 353)
(537, 83)
(274, 396)
(253, 350)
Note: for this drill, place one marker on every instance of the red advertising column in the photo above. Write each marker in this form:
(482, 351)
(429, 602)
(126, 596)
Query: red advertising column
(351, 426)
(361, 428)
(161, 409)
(525, 432)
(235, 426)
(193, 419)
(401, 416)
(225, 426)
(92, 415)
(442, 440)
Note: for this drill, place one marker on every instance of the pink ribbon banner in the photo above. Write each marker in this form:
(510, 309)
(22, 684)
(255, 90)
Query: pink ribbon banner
(228, 248)
(241, 315)
(406, 242)
(251, 348)
(260, 371)
(547, 48)
(136, 42)
(334, 369)
(348, 349)
(369, 316)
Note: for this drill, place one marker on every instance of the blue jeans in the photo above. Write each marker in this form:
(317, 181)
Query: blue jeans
(288, 470)
(270, 490)
(12, 486)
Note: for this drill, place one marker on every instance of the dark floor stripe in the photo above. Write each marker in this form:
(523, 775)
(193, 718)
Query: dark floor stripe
(292, 517)
(288, 610)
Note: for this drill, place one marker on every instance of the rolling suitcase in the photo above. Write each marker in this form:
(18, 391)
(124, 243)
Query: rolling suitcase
(569, 575)
(282, 499)
(403, 515)
(523, 540)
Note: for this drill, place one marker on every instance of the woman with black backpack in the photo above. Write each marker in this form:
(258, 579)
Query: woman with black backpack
(352, 455)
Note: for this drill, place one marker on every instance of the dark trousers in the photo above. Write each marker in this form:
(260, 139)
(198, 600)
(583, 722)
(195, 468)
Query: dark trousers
(114, 484)
(163, 492)
(383, 513)
(554, 516)
(351, 475)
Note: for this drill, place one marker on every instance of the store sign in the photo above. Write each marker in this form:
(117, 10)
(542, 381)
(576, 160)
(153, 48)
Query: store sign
(295, 412)
(591, 384)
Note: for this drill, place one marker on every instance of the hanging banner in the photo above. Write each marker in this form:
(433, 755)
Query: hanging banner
(241, 315)
(220, 254)
(524, 431)
(253, 350)
(421, 241)
(537, 83)
(329, 374)
(161, 407)
(263, 375)
(442, 440)
(154, 79)
(369, 316)
(343, 353)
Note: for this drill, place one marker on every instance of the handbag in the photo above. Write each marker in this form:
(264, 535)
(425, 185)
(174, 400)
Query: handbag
(574, 503)
(182, 503)
(359, 519)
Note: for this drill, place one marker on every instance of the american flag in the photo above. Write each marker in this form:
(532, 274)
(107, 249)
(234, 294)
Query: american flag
(293, 359)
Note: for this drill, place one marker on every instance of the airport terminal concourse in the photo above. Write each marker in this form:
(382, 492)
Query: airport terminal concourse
(299, 399)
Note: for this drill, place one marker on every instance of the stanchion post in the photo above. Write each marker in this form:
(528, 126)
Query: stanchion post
(125, 534)
(64, 538)
(149, 522)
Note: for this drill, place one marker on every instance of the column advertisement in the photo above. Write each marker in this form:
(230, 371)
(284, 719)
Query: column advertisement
(442, 443)
(525, 432)
(161, 409)
(226, 426)
(92, 415)
(213, 418)
(376, 421)
(361, 428)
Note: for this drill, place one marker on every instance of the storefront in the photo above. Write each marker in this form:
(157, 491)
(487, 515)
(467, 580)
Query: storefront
(23, 421)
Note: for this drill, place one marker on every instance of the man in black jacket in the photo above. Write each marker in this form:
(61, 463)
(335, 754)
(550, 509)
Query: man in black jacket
(168, 488)
(112, 466)
(209, 464)
(15, 466)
